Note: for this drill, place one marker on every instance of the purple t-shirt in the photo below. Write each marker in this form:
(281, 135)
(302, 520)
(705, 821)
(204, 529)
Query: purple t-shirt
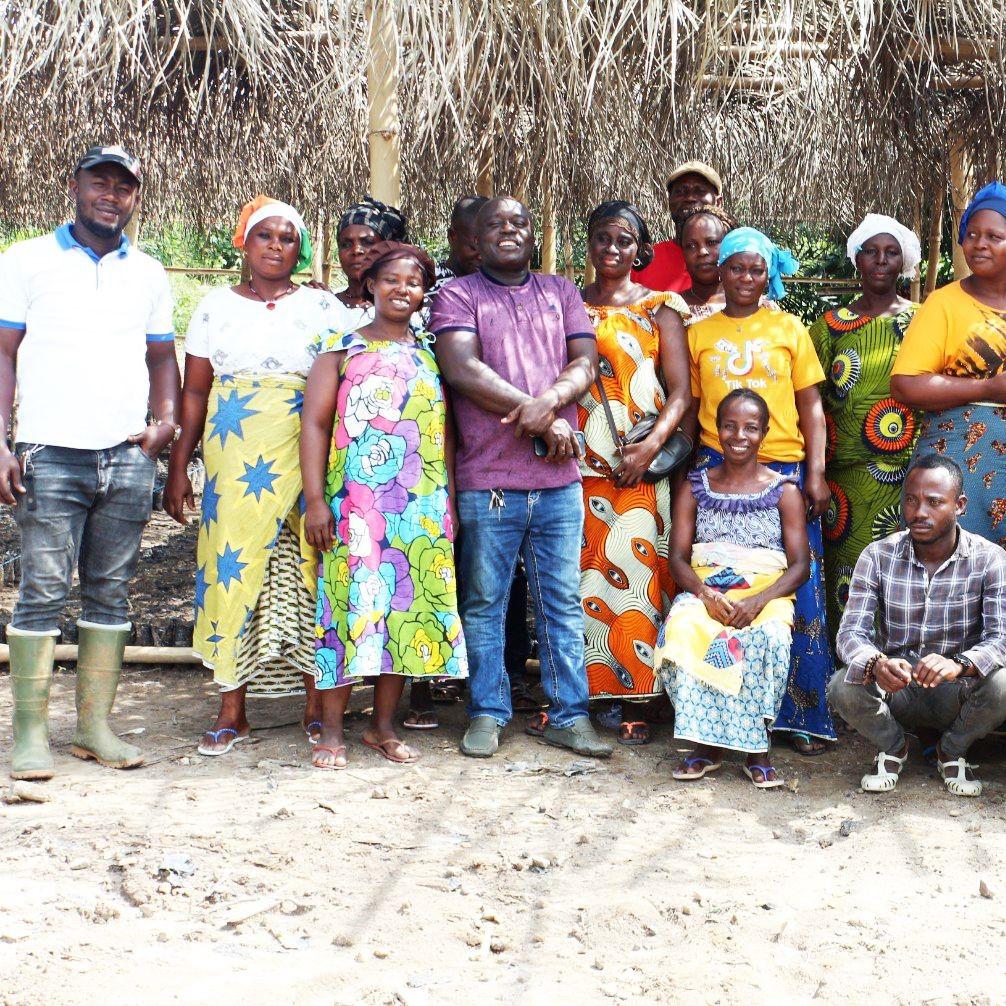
(522, 333)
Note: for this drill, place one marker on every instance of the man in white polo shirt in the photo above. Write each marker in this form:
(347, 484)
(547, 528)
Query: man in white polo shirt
(86, 336)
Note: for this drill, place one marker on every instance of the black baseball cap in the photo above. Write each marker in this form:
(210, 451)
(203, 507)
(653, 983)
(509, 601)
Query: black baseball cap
(94, 156)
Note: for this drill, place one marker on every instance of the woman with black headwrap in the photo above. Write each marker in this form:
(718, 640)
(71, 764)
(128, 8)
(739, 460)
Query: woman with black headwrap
(361, 226)
(643, 362)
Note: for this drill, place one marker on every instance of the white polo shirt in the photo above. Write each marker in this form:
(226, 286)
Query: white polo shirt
(82, 377)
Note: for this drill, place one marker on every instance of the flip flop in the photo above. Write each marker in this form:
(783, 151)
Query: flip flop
(766, 783)
(801, 744)
(335, 752)
(633, 733)
(418, 722)
(307, 730)
(535, 727)
(444, 693)
(708, 766)
(216, 735)
(382, 749)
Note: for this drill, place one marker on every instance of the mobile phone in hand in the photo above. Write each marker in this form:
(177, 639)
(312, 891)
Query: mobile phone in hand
(541, 448)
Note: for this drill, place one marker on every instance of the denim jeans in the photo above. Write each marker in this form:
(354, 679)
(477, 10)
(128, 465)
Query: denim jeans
(964, 711)
(545, 527)
(81, 506)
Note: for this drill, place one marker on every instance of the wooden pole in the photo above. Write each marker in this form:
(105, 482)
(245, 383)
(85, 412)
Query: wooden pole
(384, 134)
(485, 166)
(569, 265)
(548, 259)
(326, 254)
(916, 290)
(960, 188)
(588, 270)
(319, 250)
(132, 230)
(935, 237)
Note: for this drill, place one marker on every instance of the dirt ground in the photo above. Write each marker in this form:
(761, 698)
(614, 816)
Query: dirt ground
(531, 878)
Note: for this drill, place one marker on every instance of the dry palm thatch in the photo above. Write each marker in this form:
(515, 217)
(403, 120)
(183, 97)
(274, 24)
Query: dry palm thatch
(813, 109)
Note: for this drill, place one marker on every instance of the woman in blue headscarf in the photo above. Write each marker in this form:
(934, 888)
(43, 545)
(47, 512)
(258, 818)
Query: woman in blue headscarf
(952, 365)
(749, 345)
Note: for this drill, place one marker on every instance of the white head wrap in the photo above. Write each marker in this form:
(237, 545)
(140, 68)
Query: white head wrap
(876, 223)
(277, 209)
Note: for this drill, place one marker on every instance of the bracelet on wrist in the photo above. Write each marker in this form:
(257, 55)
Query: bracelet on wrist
(869, 677)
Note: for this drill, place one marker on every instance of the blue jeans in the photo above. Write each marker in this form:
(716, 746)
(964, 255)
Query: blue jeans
(545, 527)
(81, 506)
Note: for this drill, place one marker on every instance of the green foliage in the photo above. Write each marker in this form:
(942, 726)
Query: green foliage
(187, 291)
(176, 245)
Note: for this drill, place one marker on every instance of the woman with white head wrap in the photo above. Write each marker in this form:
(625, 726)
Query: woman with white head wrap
(870, 434)
(247, 355)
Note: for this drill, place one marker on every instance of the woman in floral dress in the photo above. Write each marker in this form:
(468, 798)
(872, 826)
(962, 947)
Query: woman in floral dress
(379, 507)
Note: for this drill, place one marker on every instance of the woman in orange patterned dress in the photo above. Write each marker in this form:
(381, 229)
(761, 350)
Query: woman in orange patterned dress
(643, 361)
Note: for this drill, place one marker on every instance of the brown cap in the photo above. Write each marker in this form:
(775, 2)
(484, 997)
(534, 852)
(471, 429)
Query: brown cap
(711, 175)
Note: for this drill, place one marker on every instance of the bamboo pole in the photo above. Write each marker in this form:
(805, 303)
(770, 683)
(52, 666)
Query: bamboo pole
(384, 133)
(935, 236)
(960, 184)
(548, 258)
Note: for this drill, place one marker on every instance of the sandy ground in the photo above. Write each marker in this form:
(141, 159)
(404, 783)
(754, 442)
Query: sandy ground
(530, 878)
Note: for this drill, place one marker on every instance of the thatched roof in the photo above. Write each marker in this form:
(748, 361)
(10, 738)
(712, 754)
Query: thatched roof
(813, 109)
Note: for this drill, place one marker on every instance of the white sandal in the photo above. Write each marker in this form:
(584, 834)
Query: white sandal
(883, 780)
(955, 777)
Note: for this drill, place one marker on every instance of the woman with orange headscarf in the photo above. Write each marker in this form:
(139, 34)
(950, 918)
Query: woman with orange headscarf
(247, 355)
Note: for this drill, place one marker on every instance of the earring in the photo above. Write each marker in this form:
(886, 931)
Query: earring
(637, 264)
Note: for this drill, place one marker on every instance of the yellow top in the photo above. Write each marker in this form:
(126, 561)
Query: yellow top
(769, 352)
(954, 334)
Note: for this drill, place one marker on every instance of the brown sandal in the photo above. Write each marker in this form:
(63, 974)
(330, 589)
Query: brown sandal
(382, 749)
(335, 752)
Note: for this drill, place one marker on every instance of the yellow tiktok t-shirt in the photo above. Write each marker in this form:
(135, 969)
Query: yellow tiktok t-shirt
(771, 353)
(954, 334)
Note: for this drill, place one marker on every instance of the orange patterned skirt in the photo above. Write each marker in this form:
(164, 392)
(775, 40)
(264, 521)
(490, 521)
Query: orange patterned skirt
(625, 584)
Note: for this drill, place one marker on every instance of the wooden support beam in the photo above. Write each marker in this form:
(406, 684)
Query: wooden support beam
(319, 244)
(384, 133)
(916, 291)
(754, 85)
(569, 265)
(548, 257)
(485, 166)
(960, 194)
(588, 270)
(326, 254)
(935, 236)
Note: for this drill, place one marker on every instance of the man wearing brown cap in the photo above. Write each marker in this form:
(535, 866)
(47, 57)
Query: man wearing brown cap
(690, 184)
(86, 336)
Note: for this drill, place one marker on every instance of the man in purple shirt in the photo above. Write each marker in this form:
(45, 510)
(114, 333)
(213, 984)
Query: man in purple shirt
(518, 350)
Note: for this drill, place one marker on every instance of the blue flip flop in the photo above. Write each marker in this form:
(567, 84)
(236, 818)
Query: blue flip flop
(708, 765)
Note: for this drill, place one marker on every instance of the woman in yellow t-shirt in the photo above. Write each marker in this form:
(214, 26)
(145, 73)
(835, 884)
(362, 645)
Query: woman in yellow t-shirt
(952, 365)
(748, 345)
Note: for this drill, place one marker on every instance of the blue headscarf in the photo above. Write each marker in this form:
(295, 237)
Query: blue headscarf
(779, 261)
(991, 197)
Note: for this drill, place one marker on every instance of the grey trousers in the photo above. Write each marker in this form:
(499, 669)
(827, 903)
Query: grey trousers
(964, 710)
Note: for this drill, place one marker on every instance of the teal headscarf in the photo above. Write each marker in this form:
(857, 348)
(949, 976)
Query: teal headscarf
(779, 261)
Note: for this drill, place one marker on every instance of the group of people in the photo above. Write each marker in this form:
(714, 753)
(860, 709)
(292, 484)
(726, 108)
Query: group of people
(699, 495)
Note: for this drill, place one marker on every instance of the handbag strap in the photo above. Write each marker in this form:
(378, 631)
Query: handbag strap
(616, 437)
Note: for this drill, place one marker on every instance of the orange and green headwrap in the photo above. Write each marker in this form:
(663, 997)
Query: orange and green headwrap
(262, 207)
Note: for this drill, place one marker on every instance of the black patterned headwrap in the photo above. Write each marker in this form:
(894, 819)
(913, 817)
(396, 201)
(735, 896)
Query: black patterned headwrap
(385, 221)
(621, 209)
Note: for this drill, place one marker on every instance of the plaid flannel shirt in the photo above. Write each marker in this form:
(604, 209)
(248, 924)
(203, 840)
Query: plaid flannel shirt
(897, 610)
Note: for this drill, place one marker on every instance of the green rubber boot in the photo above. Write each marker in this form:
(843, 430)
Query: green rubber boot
(30, 676)
(99, 663)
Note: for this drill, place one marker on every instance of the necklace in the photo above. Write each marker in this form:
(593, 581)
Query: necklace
(270, 305)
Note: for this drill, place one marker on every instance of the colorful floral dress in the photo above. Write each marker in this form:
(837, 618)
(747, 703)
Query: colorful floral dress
(870, 439)
(625, 582)
(727, 685)
(387, 594)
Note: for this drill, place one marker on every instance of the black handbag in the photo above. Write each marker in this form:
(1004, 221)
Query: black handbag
(675, 451)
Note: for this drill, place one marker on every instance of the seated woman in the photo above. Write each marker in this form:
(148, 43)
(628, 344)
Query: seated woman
(247, 355)
(952, 365)
(752, 345)
(738, 551)
(377, 457)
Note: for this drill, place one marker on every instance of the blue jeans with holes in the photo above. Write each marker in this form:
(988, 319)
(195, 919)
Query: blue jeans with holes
(83, 507)
(545, 527)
